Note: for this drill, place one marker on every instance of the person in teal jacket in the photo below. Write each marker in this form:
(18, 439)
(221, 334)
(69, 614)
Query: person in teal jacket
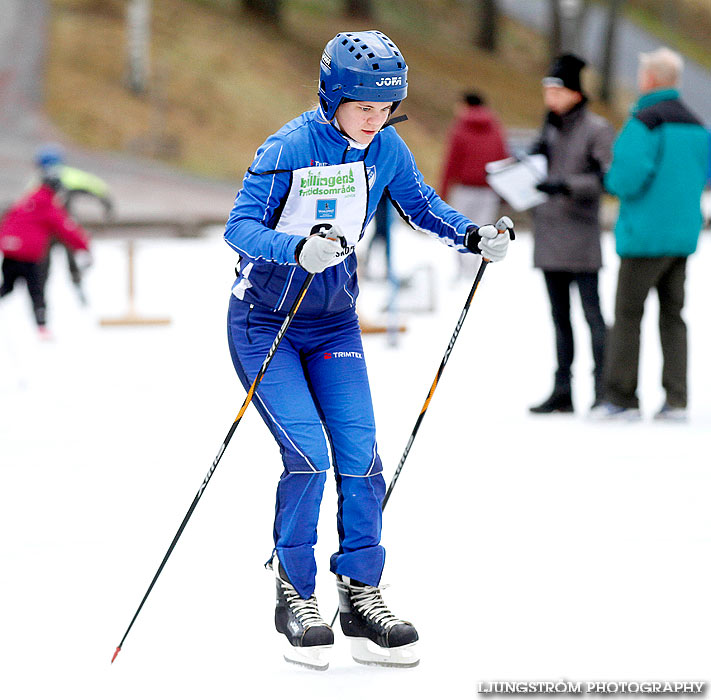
(658, 172)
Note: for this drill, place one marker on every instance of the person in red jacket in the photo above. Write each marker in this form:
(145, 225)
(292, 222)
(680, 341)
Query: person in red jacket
(475, 139)
(26, 232)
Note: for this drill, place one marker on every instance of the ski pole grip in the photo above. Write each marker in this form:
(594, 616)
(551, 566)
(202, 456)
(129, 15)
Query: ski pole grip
(505, 224)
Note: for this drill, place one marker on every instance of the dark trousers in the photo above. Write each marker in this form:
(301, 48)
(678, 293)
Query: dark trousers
(637, 276)
(558, 285)
(12, 270)
(74, 269)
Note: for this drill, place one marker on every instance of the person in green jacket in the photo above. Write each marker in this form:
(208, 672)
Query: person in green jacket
(75, 184)
(658, 172)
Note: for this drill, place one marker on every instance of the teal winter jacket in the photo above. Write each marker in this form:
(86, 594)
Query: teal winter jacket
(659, 165)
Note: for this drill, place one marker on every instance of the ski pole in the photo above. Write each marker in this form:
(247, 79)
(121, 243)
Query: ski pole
(223, 447)
(503, 225)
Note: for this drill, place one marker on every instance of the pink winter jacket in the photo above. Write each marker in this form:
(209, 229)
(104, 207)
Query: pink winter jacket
(28, 226)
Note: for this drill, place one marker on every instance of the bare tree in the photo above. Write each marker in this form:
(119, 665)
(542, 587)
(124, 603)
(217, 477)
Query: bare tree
(567, 21)
(555, 41)
(486, 31)
(138, 25)
(269, 10)
(608, 56)
(670, 13)
(359, 9)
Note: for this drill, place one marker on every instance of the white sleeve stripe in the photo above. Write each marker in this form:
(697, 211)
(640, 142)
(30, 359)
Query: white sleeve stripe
(271, 189)
(242, 251)
(429, 209)
(263, 154)
(247, 254)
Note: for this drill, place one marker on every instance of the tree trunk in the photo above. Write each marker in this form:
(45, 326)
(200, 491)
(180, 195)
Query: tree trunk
(359, 9)
(487, 25)
(555, 35)
(138, 25)
(670, 13)
(269, 10)
(572, 21)
(607, 70)
(567, 21)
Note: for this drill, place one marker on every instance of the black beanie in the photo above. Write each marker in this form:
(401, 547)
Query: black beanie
(565, 72)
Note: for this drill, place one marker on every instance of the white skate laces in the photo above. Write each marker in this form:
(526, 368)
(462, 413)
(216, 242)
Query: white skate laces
(377, 636)
(305, 610)
(368, 601)
(307, 638)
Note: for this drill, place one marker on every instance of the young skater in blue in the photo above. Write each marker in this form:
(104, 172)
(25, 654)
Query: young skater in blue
(305, 203)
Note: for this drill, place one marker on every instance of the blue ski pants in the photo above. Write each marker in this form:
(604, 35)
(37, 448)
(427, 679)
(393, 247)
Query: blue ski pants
(315, 399)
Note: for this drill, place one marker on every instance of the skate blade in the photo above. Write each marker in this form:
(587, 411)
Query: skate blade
(370, 654)
(314, 658)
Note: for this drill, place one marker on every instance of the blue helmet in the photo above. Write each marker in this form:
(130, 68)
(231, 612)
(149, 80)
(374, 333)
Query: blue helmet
(361, 66)
(49, 155)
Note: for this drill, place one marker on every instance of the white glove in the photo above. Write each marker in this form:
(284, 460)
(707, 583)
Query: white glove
(317, 252)
(84, 259)
(491, 240)
(493, 244)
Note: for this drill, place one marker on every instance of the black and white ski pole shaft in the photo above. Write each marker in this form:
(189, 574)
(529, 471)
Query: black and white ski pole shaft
(223, 446)
(503, 225)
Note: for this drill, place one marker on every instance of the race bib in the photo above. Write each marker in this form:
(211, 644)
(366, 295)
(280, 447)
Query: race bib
(329, 194)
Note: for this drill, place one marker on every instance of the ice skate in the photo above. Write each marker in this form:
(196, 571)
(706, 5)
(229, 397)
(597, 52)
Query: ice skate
(378, 638)
(309, 637)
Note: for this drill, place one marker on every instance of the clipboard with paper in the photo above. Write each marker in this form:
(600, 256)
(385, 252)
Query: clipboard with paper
(515, 180)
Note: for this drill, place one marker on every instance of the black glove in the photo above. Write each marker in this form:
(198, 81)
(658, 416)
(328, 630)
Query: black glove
(472, 239)
(556, 186)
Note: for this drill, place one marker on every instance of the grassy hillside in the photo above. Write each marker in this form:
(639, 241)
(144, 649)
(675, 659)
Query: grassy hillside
(684, 25)
(221, 82)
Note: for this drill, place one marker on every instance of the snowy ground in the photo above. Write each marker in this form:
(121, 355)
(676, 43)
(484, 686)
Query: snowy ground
(521, 547)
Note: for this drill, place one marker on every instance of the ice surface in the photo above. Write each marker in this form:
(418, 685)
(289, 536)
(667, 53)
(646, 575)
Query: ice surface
(522, 547)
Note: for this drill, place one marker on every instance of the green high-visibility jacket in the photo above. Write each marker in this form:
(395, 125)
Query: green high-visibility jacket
(75, 180)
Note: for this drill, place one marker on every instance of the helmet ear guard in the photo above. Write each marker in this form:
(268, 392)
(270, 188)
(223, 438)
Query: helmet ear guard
(363, 66)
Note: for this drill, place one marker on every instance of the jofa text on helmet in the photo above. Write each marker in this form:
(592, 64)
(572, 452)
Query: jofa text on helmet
(396, 80)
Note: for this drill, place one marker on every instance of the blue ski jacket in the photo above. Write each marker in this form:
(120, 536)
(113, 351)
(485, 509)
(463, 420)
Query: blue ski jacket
(268, 274)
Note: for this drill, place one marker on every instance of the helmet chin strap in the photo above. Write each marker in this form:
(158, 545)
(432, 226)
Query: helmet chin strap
(395, 120)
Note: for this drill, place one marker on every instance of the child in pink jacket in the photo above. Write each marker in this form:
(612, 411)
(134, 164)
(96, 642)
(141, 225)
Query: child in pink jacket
(26, 232)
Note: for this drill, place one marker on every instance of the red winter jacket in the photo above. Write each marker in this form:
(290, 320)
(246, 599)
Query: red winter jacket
(476, 139)
(28, 226)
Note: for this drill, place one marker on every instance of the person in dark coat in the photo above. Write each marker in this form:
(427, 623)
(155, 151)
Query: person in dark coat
(577, 145)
